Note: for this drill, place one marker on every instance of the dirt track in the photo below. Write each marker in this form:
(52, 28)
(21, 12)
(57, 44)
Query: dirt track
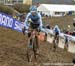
(13, 51)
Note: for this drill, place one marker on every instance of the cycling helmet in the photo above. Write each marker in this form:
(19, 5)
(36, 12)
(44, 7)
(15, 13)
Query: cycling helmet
(56, 26)
(33, 9)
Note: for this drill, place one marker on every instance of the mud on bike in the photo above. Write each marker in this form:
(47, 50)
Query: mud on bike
(32, 45)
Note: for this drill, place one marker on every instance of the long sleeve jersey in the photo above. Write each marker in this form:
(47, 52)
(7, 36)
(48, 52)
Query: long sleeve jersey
(37, 17)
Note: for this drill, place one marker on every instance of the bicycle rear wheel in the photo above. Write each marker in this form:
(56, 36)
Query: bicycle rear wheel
(54, 45)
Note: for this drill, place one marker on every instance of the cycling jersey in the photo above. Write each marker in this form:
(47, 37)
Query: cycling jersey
(56, 29)
(36, 19)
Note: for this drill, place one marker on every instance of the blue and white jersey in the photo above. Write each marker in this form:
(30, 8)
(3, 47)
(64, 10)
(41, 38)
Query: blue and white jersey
(56, 29)
(36, 19)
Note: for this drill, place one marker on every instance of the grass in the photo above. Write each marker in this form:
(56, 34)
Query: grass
(62, 22)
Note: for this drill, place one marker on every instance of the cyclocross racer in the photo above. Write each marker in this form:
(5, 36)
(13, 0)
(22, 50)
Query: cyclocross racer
(56, 31)
(33, 21)
(36, 20)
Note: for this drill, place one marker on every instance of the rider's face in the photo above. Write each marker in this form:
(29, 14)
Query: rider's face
(33, 13)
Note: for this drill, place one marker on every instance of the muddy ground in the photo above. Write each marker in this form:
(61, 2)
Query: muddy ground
(13, 51)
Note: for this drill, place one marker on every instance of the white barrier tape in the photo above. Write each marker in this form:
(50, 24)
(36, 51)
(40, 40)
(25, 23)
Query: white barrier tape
(71, 47)
(48, 31)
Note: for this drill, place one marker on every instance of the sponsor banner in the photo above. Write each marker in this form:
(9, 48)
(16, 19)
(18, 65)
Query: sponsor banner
(9, 22)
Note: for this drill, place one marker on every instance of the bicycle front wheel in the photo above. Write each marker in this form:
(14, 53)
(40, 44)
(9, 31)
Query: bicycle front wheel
(34, 47)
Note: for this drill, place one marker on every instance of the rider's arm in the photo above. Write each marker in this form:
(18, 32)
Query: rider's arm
(26, 20)
(25, 24)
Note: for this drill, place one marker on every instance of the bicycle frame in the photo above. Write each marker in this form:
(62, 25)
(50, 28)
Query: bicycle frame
(55, 41)
(34, 45)
(33, 33)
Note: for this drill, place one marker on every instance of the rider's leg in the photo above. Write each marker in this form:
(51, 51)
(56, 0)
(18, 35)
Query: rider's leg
(37, 41)
(55, 42)
(37, 44)
(29, 39)
(58, 38)
(36, 27)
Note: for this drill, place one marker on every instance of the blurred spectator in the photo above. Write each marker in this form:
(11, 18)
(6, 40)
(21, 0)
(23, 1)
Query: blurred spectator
(73, 61)
(14, 15)
(68, 32)
(22, 17)
(73, 34)
(74, 23)
(48, 26)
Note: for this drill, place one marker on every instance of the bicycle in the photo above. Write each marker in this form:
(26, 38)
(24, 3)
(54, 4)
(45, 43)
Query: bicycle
(32, 45)
(66, 43)
(55, 42)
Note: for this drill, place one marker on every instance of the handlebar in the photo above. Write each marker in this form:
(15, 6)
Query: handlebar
(23, 30)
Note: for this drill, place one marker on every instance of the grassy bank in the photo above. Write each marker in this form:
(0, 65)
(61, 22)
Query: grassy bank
(63, 22)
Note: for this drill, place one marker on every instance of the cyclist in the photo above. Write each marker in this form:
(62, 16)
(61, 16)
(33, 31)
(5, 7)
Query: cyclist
(56, 31)
(33, 21)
